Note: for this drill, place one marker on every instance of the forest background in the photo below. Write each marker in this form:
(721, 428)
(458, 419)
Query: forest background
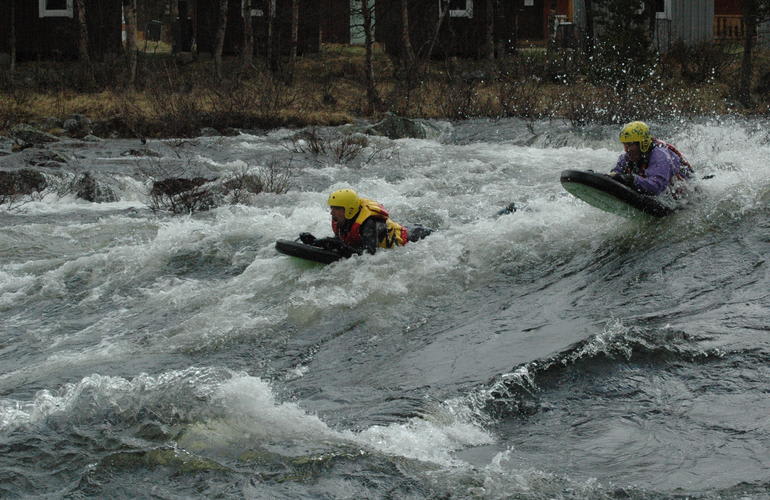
(149, 91)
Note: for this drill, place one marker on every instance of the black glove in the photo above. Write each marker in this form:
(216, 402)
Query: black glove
(307, 238)
(337, 245)
(626, 179)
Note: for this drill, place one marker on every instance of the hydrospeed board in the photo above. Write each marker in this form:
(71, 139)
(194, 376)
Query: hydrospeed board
(307, 252)
(605, 193)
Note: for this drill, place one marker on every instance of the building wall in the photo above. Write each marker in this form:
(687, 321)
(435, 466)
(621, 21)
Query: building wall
(691, 21)
(335, 21)
(461, 35)
(57, 37)
(207, 21)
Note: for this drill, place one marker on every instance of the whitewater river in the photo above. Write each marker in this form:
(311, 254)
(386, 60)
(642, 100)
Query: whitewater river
(557, 352)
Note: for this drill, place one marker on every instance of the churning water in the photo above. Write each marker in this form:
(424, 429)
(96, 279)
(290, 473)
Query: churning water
(556, 352)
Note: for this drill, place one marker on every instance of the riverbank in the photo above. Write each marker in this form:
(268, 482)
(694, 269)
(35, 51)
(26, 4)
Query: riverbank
(173, 97)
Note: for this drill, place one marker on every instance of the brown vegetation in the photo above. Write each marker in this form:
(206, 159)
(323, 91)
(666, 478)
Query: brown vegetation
(171, 98)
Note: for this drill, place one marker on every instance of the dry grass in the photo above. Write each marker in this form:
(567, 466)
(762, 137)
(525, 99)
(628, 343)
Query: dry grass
(174, 99)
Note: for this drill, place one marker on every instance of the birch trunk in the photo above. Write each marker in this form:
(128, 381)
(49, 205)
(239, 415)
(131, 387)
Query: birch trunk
(750, 10)
(294, 39)
(489, 35)
(405, 38)
(129, 11)
(247, 51)
(83, 32)
(12, 37)
(219, 41)
(372, 99)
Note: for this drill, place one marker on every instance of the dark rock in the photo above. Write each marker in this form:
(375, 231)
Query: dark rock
(78, 125)
(396, 127)
(141, 152)
(24, 181)
(89, 189)
(209, 132)
(176, 185)
(26, 134)
(50, 159)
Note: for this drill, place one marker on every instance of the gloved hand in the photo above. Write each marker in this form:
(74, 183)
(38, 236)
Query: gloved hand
(337, 245)
(307, 238)
(627, 179)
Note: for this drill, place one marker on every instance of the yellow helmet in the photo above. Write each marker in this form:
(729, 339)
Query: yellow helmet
(347, 199)
(637, 132)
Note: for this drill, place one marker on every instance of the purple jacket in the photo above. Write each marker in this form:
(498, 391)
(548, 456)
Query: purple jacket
(662, 166)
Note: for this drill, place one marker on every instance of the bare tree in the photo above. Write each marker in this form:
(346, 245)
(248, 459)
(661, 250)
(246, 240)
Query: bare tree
(754, 12)
(173, 9)
(405, 39)
(270, 13)
(83, 32)
(501, 21)
(443, 11)
(129, 11)
(372, 99)
(294, 39)
(219, 41)
(12, 37)
(588, 37)
(489, 33)
(247, 51)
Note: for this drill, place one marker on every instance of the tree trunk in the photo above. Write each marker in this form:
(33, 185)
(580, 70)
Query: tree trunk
(83, 32)
(489, 35)
(405, 38)
(269, 49)
(444, 6)
(372, 99)
(219, 41)
(500, 21)
(12, 37)
(129, 11)
(247, 51)
(176, 25)
(588, 36)
(750, 22)
(652, 18)
(294, 39)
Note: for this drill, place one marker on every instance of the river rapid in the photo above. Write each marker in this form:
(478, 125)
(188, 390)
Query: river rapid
(555, 352)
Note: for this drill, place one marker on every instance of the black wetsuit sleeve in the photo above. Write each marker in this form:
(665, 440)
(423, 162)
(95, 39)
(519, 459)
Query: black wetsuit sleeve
(372, 231)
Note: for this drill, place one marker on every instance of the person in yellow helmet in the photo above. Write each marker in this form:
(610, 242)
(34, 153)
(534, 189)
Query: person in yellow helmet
(362, 224)
(648, 165)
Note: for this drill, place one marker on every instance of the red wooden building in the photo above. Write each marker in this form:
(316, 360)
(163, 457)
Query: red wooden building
(48, 29)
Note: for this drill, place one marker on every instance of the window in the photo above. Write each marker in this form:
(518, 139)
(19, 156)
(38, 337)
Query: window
(55, 8)
(457, 8)
(663, 9)
(259, 8)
